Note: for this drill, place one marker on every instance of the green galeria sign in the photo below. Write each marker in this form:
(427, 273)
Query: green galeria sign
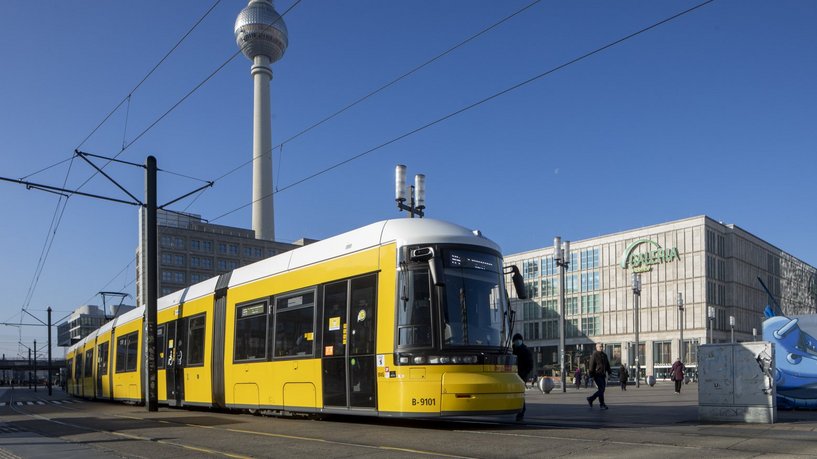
(643, 261)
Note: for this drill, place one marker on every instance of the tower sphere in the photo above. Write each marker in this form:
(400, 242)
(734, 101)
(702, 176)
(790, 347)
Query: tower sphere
(260, 31)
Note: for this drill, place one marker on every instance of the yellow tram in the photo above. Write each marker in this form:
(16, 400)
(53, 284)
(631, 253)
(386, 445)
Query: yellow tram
(405, 317)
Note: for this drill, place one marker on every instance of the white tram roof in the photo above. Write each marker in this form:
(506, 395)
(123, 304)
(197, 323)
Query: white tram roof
(402, 231)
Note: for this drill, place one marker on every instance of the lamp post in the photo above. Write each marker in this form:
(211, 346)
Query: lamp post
(636, 297)
(732, 327)
(561, 253)
(711, 315)
(417, 197)
(681, 322)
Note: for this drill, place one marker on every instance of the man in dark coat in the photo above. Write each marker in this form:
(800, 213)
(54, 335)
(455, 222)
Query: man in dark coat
(599, 369)
(524, 365)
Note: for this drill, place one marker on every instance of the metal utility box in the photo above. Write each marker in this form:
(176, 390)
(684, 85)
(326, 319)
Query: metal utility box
(736, 382)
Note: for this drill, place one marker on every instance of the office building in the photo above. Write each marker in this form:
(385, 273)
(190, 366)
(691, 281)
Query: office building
(717, 270)
(191, 250)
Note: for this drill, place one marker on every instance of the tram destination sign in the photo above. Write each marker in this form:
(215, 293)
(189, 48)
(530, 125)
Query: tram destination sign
(643, 261)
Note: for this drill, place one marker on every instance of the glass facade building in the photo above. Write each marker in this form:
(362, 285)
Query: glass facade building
(713, 266)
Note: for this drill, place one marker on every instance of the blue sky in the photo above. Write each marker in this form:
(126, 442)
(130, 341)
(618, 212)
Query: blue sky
(711, 113)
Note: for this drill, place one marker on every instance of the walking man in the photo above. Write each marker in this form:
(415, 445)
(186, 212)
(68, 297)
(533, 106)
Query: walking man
(599, 369)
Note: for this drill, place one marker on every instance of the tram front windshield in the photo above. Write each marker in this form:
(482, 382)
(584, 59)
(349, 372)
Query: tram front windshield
(474, 307)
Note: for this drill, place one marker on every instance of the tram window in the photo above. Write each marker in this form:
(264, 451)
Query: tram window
(78, 367)
(102, 355)
(69, 369)
(334, 319)
(251, 332)
(126, 352)
(89, 363)
(195, 341)
(362, 315)
(295, 325)
(160, 345)
(414, 310)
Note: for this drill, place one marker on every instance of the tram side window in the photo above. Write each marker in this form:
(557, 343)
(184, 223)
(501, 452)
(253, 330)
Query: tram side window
(195, 341)
(414, 309)
(78, 367)
(160, 345)
(251, 332)
(295, 325)
(89, 363)
(126, 352)
(102, 355)
(362, 315)
(69, 369)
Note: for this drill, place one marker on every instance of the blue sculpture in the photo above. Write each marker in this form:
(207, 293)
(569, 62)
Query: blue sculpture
(796, 361)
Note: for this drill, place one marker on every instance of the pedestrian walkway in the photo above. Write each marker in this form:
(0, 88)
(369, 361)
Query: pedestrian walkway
(657, 405)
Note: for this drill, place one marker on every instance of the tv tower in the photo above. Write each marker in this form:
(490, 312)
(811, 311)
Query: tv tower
(261, 34)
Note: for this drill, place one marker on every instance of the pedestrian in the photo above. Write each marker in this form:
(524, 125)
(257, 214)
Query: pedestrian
(586, 380)
(623, 375)
(524, 365)
(577, 377)
(677, 373)
(599, 369)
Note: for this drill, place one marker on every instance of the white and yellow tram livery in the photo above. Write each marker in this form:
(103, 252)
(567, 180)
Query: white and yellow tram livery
(404, 317)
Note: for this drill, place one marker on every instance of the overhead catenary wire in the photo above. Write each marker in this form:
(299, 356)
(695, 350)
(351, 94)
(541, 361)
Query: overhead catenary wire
(58, 213)
(472, 105)
(382, 88)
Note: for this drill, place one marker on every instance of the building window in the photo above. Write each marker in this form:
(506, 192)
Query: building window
(207, 246)
(251, 332)
(172, 242)
(232, 249)
(590, 304)
(548, 266)
(532, 287)
(591, 326)
(227, 265)
(590, 281)
(572, 326)
(571, 284)
(571, 306)
(195, 244)
(550, 286)
(201, 262)
(530, 269)
(662, 353)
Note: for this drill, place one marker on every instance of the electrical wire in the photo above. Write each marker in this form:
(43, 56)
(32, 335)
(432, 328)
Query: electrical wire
(387, 85)
(473, 105)
(57, 217)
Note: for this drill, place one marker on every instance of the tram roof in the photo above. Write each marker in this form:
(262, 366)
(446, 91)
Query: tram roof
(403, 231)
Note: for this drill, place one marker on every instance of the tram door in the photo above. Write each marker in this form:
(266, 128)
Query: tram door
(174, 361)
(349, 371)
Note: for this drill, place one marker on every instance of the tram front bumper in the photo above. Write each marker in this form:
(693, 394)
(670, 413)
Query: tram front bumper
(489, 393)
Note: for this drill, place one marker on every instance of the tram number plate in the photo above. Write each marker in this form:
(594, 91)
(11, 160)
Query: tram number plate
(430, 401)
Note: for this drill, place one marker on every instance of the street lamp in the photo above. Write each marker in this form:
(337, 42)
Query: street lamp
(561, 253)
(681, 322)
(711, 315)
(636, 297)
(732, 327)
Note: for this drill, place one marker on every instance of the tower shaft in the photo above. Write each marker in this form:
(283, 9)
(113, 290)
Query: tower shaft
(263, 216)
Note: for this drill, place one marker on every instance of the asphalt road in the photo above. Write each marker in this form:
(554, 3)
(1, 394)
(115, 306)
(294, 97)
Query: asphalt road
(645, 422)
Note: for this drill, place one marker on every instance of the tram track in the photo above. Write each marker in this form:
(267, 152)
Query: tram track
(70, 431)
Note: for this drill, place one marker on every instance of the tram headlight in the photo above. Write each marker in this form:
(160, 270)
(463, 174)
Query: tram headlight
(419, 359)
(433, 359)
(445, 360)
(470, 359)
(404, 359)
(456, 359)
